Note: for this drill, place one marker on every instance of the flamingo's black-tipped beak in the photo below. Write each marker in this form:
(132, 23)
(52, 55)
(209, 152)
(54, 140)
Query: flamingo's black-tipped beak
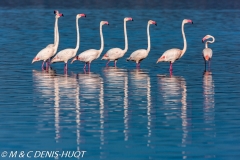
(155, 24)
(202, 41)
(62, 15)
(192, 22)
(54, 12)
(132, 19)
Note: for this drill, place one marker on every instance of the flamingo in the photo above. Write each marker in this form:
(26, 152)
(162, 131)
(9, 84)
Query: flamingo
(69, 53)
(46, 53)
(207, 52)
(89, 55)
(115, 53)
(141, 54)
(174, 54)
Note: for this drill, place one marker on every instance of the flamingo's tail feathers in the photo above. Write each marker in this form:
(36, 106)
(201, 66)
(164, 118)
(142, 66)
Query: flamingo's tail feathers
(128, 59)
(162, 58)
(75, 58)
(105, 56)
(35, 59)
(55, 59)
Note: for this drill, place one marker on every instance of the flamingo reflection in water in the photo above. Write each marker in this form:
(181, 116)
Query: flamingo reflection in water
(174, 93)
(63, 90)
(92, 86)
(119, 80)
(208, 108)
(142, 83)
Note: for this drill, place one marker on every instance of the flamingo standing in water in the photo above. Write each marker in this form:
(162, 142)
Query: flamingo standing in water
(207, 52)
(69, 53)
(174, 54)
(46, 53)
(141, 54)
(89, 55)
(115, 53)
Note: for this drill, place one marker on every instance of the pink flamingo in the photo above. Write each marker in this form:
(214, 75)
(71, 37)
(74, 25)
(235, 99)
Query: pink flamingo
(115, 53)
(69, 53)
(89, 55)
(207, 52)
(46, 53)
(174, 54)
(141, 54)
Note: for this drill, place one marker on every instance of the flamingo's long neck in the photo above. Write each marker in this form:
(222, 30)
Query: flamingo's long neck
(56, 34)
(126, 39)
(102, 41)
(78, 34)
(213, 40)
(149, 45)
(206, 44)
(184, 40)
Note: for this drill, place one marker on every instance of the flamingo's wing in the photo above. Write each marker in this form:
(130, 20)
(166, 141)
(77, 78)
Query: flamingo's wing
(114, 53)
(171, 55)
(88, 55)
(45, 53)
(138, 54)
(65, 54)
(207, 52)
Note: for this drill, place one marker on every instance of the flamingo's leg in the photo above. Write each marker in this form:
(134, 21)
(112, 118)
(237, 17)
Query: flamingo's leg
(89, 64)
(85, 65)
(43, 65)
(209, 65)
(48, 64)
(138, 65)
(205, 64)
(107, 63)
(170, 68)
(115, 63)
(65, 66)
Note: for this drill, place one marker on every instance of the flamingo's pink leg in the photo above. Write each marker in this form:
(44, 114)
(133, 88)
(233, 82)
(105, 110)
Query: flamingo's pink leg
(89, 66)
(43, 65)
(115, 63)
(107, 63)
(170, 68)
(209, 65)
(48, 64)
(65, 67)
(85, 65)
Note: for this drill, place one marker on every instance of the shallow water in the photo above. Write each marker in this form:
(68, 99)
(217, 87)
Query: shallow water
(123, 112)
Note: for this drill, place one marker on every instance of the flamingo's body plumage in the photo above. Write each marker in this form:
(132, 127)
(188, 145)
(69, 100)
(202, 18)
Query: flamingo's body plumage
(115, 53)
(174, 54)
(141, 54)
(66, 54)
(46, 53)
(89, 55)
(207, 52)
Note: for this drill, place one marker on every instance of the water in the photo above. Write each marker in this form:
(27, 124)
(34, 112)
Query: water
(123, 112)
